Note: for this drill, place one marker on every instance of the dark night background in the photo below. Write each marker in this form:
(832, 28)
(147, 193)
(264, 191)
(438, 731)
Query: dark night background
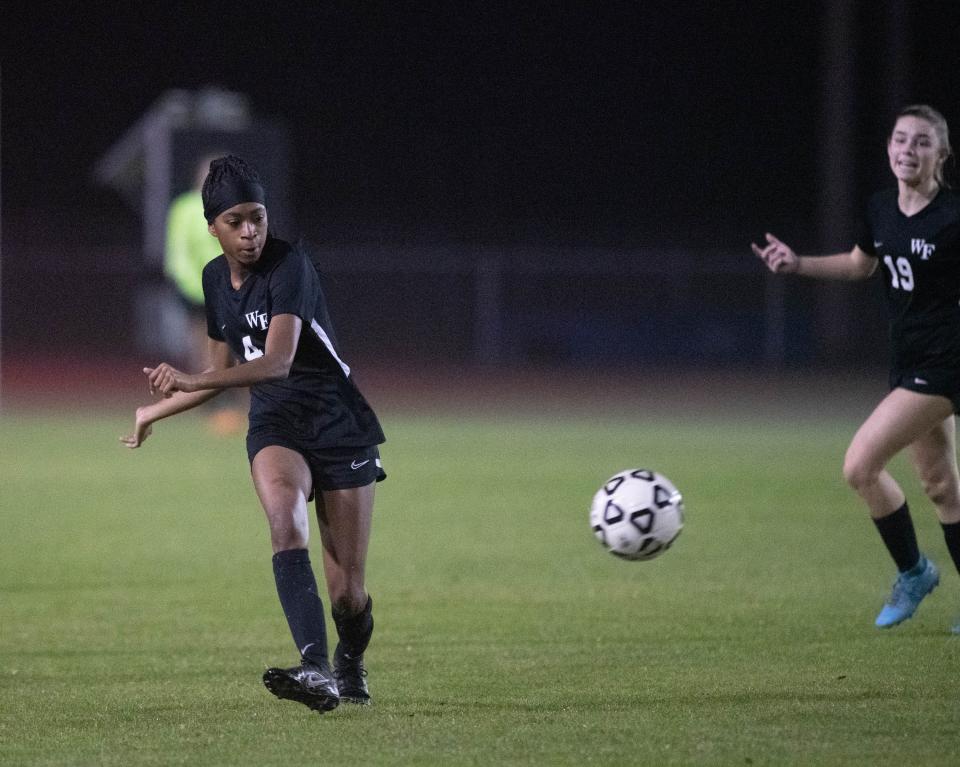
(634, 130)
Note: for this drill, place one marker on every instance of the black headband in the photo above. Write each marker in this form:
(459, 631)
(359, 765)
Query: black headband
(231, 191)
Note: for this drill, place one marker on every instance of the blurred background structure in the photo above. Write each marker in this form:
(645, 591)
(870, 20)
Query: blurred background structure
(156, 160)
(559, 185)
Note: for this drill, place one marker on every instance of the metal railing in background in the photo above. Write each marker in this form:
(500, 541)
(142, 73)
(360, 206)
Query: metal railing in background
(517, 305)
(488, 306)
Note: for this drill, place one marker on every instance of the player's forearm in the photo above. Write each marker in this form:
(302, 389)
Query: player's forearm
(269, 367)
(175, 403)
(838, 266)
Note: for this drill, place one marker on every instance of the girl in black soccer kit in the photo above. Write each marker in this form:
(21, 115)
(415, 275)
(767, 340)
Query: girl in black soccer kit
(311, 432)
(912, 237)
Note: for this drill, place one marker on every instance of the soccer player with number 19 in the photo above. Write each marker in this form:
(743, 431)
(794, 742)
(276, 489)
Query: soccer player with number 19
(911, 236)
(311, 434)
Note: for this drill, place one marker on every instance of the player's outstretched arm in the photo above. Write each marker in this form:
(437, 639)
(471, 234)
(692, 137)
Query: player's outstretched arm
(781, 258)
(147, 415)
(178, 401)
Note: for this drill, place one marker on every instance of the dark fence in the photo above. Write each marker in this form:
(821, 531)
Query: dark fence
(490, 306)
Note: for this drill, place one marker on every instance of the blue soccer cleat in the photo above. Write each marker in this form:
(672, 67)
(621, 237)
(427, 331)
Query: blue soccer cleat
(908, 592)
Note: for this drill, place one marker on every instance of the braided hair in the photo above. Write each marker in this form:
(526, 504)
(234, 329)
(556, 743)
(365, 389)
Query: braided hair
(230, 182)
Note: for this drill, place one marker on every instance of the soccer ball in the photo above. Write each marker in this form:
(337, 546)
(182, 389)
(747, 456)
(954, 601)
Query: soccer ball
(637, 514)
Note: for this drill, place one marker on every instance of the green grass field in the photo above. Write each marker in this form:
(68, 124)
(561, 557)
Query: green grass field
(138, 607)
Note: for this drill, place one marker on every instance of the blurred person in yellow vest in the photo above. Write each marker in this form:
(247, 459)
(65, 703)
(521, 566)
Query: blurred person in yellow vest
(189, 247)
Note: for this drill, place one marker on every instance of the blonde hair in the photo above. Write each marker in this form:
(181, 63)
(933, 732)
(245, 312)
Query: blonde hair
(939, 124)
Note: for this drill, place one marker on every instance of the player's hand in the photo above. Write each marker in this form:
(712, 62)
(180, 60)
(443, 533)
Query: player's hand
(165, 379)
(141, 430)
(778, 256)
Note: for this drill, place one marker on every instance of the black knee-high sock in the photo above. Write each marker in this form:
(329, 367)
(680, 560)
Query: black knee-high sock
(297, 589)
(900, 538)
(951, 534)
(354, 630)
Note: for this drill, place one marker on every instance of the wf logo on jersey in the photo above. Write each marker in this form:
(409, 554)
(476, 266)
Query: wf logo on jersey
(257, 320)
(922, 249)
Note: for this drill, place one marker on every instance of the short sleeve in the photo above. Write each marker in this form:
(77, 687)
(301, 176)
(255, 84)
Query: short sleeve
(293, 286)
(209, 281)
(865, 237)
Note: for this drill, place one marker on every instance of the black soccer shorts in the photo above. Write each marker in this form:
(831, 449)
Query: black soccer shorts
(945, 383)
(332, 468)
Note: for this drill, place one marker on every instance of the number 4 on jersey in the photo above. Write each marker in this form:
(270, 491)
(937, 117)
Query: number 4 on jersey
(901, 275)
(251, 352)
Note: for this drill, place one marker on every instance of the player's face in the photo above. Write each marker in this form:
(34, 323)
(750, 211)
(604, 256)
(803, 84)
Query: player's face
(914, 150)
(242, 232)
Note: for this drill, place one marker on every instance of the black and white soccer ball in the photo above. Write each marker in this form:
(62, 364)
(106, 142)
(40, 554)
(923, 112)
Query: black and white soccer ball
(637, 514)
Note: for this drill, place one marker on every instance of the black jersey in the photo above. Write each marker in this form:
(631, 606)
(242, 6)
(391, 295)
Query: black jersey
(318, 401)
(920, 266)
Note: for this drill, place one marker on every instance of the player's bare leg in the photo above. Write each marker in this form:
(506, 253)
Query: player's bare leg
(283, 482)
(345, 518)
(935, 459)
(902, 419)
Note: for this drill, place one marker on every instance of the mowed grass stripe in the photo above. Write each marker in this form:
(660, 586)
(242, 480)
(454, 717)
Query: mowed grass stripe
(138, 607)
